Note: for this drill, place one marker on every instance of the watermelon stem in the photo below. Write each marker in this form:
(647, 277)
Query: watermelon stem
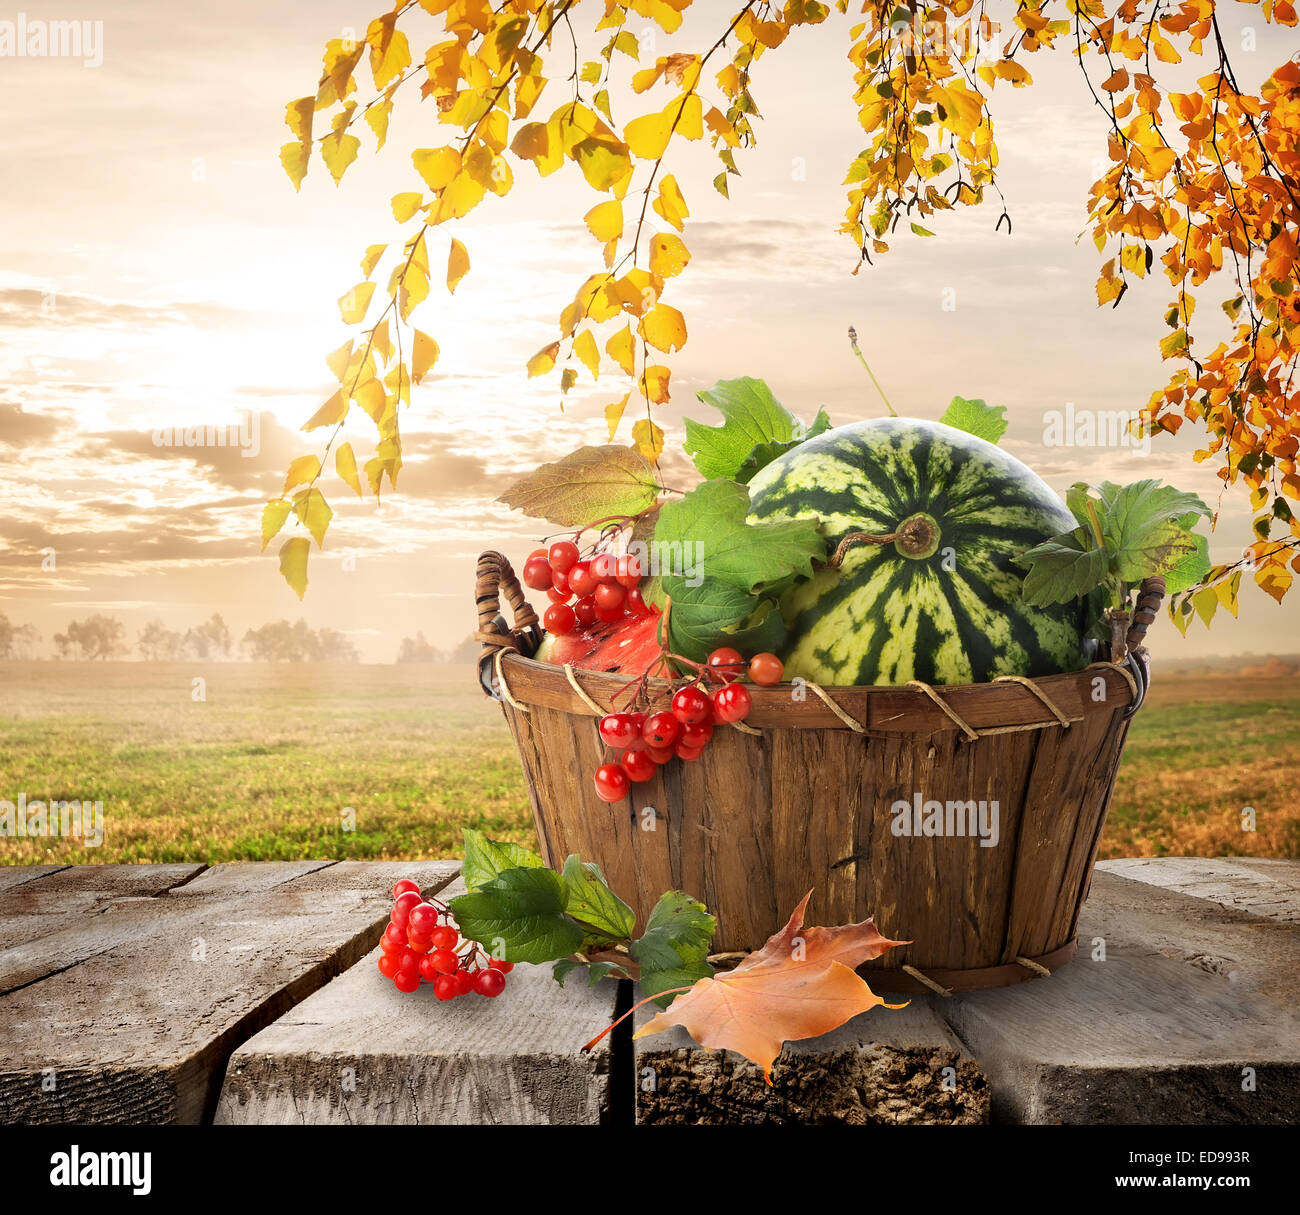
(915, 538)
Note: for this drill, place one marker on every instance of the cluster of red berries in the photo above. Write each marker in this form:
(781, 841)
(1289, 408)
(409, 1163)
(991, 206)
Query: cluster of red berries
(421, 943)
(685, 728)
(604, 587)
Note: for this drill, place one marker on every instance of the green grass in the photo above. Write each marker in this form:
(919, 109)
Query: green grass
(265, 768)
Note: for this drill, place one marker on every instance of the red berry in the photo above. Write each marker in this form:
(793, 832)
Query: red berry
(697, 734)
(422, 920)
(408, 962)
(581, 579)
(445, 937)
(732, 702)
(585, 610)
(638, 765)
(464, 982)
(682, 751)
(612, 783)
(444, 961)
(400, 888)
(407, 980)
(501, 964)
(618, 730)
(610, 595)
(661, 729)
(387, 965)
(563, 556)
(537, 573)
(489, 982)
(628, 571)
(691, 706)
(608, 615)
(429, 971)
(661, 755)
(726, 662)
(543, 553)
(766, 669)
(394, 937)
(635, 601)
(603, 567)
(557, 596)
(402, 908)
(638, 720)
(444, 987)
(419, 944)
(560, 619)
(560, 582)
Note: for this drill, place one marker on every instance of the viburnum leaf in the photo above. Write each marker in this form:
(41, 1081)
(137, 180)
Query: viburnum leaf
(1144, 525)
(590, 484)
(486, 859)
(711, 518)
(977, 418)
(1063, 568)
(801, 984)
(752, 417)
(673, 951)
(520, 916)
(591, 902)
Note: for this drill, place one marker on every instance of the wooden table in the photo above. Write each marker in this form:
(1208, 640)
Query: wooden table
(248, 993)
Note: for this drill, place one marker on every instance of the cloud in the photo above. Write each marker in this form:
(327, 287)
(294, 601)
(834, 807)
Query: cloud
(19, 428)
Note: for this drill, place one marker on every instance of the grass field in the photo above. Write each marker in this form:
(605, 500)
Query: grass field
(277, 761)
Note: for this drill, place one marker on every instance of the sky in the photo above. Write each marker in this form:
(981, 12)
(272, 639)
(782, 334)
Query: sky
(158, 270)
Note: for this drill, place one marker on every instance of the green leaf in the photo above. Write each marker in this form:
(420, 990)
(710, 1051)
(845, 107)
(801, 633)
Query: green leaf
(593, 903)
(674, 950)
(519, 916)
(1066, 567)
(740, 554)
(485, 859)
(752, 416)
(596, 971)
(1190, 569)
(765, 453)
(977, 418)
(1145, 528)
(702, 614)
(590, 484)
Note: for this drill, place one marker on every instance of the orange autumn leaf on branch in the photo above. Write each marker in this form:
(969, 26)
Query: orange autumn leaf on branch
(801, 984)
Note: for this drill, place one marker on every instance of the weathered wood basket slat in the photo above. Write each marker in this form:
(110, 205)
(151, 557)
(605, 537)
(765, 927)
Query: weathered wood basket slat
(809, 802)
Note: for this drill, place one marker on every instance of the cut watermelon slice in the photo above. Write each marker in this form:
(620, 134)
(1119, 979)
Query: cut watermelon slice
(626, 646)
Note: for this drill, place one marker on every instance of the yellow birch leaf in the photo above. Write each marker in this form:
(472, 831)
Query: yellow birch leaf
(621, 349)
(380, 341)
(298, 116)
(688, 113)
(654, 381)
(668, 254)
(670, 204)
(413, 290)
(648, 439)
(345, 464)
(338, 151)
(457, 264)
(341, 57)
(406, 204)
(614, 413)
(330, 414)
(390, 53)
(436, 165)
(274, 513)
(377, 118)
(424, 356)
(544, 360)
(301, 470)
(460, 197)
(664, 328)
(584, 347)
(339, 361)
(314, 512)
(371, 259)
(293, 563)
(647, 136)
(568, 378)
(353, 304)
(605, 220)
(294, 158)
(372, 398)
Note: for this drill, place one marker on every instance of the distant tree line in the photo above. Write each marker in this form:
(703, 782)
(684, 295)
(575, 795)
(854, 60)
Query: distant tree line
(417, 649)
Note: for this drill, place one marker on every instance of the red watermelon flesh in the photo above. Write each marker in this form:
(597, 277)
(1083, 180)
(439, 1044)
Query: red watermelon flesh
(626, 646)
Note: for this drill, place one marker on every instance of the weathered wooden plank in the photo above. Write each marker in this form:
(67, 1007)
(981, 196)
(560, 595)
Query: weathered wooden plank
(1269, 888)
(360, 1051)
(16, 875)
(882, 1067)
(135, 1010)
(1177, 1010)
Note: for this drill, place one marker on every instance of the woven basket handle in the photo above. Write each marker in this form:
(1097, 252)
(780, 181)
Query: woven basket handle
(1150, 595)
(493, 579)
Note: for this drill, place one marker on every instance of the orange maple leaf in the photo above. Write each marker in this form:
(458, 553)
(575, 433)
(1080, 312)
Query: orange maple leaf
(801, 984)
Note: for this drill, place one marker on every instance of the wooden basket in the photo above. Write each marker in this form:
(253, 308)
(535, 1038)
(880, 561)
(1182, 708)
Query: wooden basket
(805, 796)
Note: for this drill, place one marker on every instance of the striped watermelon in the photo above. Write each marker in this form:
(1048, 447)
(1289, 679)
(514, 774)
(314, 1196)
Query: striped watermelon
(943, 604)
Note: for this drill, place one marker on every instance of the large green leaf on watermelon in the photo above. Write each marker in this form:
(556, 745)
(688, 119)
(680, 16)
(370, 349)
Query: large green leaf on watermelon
(756, 429)
(976, 417)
